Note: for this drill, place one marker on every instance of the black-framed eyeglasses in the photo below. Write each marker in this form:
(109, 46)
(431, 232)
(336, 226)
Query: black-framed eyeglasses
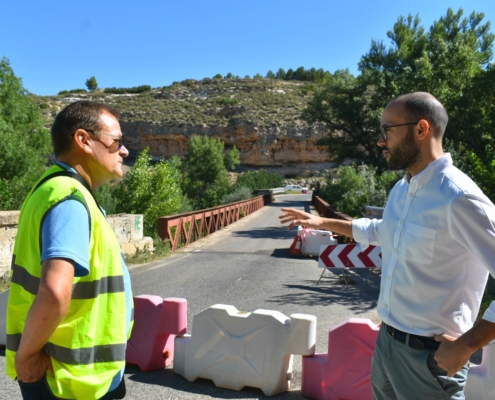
(119, 140)
(384, 128)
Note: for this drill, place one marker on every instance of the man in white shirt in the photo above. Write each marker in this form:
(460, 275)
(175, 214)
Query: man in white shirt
(438, 246)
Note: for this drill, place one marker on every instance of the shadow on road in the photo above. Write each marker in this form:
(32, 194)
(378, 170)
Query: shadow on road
(360, 298)
(204, 387)
(267, 233)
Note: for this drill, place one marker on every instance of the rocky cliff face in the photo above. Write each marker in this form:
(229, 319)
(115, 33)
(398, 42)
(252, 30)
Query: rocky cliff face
(259, 146)
(262, 118)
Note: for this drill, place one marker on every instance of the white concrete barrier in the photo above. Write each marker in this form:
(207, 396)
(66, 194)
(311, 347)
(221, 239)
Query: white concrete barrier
(237, 348)
(480, 383)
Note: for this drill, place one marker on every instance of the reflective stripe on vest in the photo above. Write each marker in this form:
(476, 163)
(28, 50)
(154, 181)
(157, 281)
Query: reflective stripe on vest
(80, 290)
(96, 354)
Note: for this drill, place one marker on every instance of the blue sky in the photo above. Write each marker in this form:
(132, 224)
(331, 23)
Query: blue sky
(56, 45)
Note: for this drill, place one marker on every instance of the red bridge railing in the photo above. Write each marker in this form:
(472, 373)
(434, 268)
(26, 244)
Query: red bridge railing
(327, 211)
(183, 229)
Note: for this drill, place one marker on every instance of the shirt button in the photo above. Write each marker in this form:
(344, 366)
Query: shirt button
(386, 306)
(410, 194)
(395, 250)
(389, 278)
(401, 221)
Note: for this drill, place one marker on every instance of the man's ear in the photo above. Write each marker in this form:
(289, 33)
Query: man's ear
(82, 140)
(424, 129)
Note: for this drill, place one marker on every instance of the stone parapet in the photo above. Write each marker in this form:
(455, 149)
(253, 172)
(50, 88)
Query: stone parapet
(8, 233)
(127, 227)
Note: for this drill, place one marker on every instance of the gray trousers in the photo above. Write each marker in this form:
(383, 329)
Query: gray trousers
(404, 373)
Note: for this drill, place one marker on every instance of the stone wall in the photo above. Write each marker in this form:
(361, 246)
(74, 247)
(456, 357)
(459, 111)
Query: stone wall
(8, 232)
(128, 229)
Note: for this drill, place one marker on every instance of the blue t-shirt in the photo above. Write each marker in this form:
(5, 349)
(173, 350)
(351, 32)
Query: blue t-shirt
(65, 234)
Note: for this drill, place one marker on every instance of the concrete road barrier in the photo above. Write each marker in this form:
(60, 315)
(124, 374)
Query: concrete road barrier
(156, 323)
(237, 348)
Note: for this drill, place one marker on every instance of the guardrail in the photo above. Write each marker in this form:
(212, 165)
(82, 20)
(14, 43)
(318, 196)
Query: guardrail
(272, 191)
(326, 210)
(183, 229)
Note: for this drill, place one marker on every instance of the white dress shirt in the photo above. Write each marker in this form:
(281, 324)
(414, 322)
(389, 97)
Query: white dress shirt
(438, 245)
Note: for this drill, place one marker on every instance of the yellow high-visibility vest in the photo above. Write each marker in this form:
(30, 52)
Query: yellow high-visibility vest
(88, 347)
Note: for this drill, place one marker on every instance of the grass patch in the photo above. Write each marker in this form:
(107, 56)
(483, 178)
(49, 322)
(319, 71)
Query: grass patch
(293, 192)
(4, 282)
(162, 250)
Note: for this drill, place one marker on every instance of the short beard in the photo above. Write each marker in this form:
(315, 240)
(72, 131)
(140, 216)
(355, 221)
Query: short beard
(405, 154)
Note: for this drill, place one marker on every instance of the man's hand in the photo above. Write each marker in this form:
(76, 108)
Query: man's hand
(298, 217)
(32, 369)
(451, 355)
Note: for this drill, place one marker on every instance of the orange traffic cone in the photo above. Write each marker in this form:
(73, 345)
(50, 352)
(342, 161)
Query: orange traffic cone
(295, 248)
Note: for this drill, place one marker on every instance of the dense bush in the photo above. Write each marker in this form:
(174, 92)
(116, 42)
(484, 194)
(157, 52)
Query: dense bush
(132, 90)
(239, 193)
(261, 179)
(151, 190)
(357, 187)
(72, 91)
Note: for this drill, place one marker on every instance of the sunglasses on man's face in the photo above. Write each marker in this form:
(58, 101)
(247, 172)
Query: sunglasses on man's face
(119, 140)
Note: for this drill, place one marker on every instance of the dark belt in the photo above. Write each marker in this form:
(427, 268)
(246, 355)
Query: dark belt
(415, 341)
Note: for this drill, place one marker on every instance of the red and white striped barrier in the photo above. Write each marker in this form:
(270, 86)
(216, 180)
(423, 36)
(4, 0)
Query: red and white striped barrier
(349, 256)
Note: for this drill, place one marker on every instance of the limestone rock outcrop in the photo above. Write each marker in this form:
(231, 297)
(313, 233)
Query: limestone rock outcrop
(259, 146)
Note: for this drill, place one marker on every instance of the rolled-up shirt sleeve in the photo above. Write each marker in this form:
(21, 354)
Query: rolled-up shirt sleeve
(366, 232)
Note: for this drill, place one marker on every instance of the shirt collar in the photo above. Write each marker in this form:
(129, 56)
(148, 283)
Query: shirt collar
(430, 171)
(65, 166)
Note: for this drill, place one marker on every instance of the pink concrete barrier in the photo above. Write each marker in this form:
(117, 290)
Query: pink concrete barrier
(343, 373)
(156, 322)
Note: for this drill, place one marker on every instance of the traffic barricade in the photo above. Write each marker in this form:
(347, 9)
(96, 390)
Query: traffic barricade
(345, 256)
(156, 323)
(345, 371)
(237, 348)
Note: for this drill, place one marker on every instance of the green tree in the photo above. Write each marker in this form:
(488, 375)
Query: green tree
(151, 190)
(91, 84)
(24, 141)
(301, 74)
(206, 179)
(218, 76)
(356, 187)
(351, 109)
(232, 158)
(289, 76)
(270, 75)
(258, 76)
(229, 75)
(280, 74)
(451, 61)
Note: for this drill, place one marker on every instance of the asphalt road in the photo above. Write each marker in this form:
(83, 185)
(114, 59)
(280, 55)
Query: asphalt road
(246, 265)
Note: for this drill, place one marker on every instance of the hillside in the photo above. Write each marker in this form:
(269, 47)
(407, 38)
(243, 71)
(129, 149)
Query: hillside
(260, 117)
